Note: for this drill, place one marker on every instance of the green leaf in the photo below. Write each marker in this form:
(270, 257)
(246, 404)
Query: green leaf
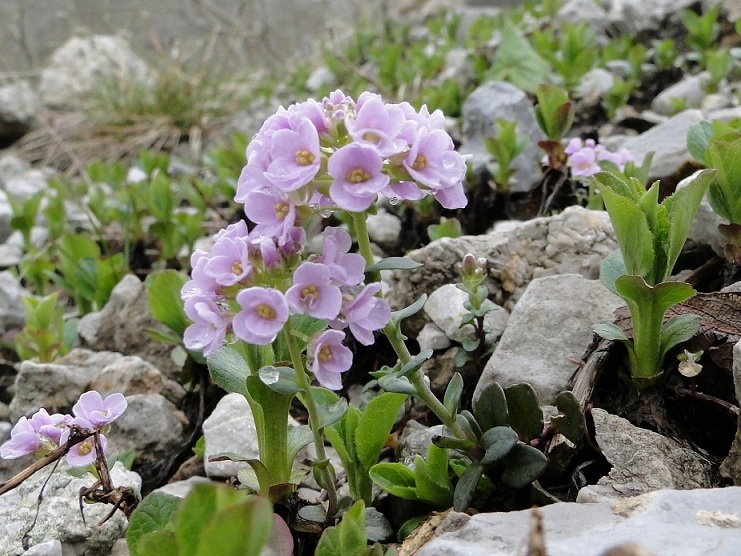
(612, 268)
(375, 425)
(466, 487)
(525, 415)
(432, 477)
(198, 508)
(522, 466)
(279, 379)
(393, 263)
(497, 442)
(346, 538)
(610, 331)
(415, 362)
(678, 329)
(517, 62)
(658, 298)
(229, 370)
(631, 230)
(154, 513)
(396, 479)
(453, 393)
(331, 413)
(156, 543)
(412, 309)
(163, 291)
(570, 421)
(698, 140)
(453, 443)
(490, 408)
(237, 530)
(298, 437)
(394, 383)
(681, 210)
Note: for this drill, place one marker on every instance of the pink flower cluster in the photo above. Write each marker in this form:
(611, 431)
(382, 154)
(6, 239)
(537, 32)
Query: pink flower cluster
(341, 154)
(43, 433)
(585, 156)
(250, 283)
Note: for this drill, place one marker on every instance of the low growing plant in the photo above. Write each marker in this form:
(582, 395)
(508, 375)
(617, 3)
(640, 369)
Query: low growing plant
(650, 236)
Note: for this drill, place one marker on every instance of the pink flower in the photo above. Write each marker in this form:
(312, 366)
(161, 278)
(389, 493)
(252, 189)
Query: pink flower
(23, 440)
(295, 156)
(345, 268)
(583, 163)
(209, 325)
(229, 261)
(99, 412)
(363, 312)
(83, 453)
(312, 293)
(330, 358)
(378, 125)
(264, 312)
(358, 176)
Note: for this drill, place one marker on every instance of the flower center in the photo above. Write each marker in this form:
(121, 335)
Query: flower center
(358, 175)
(324, 355)
(237, 268)
(281, 210)
(86, 447)
(304, 158)
(265, 311)
(371, 137)
(310, 290)
(420, 162)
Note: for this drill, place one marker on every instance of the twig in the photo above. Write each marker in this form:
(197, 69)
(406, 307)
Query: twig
(732, 409)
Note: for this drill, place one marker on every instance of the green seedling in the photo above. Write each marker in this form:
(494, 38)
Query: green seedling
(650, 236)
(719, 64)
(447, 227)
(349, 537)
(555, 115)
(664, 54)
(504, 147)
(724, 193)
(210, 516)
(46, 335)
(702, 30)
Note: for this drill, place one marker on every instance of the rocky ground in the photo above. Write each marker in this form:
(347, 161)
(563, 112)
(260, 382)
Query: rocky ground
(657, 495)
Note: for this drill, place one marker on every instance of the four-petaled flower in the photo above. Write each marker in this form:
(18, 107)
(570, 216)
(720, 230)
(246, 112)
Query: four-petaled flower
(358, 177)
(264, 312)
(330, 358)
(97, 411)
(312, 293)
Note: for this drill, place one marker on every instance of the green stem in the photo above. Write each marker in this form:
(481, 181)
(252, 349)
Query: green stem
(303, 383)
(416, 377)
(645, 358)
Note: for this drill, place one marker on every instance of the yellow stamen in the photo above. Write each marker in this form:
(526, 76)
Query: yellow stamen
(309, 290)
(371, 137)
(237, 268)
(324, 355)
(304, 158)
(358, 175)
(85, 447)
(265, 311)
(420, 162)
(281, 210)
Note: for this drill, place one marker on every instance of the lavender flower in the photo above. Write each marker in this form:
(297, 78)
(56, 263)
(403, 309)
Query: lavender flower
(358, 177)
(585, 156)
(330, 358)
(363, 312)
(229, 262)
(345, 268)
(83, 453)
(264, 312)
(295, 156)
(209, 325)
(584, 163)
(312, 293)
(24, 439)
(377, 124)
(99, 412)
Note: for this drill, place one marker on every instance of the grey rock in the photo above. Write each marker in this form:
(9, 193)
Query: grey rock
(586, 11)
(122, 326)
(56, 386)
(725, 114)
(154, 428)
(229, 428)
(26, 185)
(81, 65)
(668, 141)
(6, 213)
(731, 8)
(59, 514)
(12, 313)
(384, 229)
(731, 466)
(715, 101)
(320, 78)
(457, 67)
(690, 90)
(633, 16)
(18, 108)
(595, 83)
(701, 522)
(415, 440)
(445, 309)
(49, 548)
(642, 461)
(481, 109)
(573, 242)
(441, 367)
(550, 325)
(433, 337)
(181, 489)
(130, 375)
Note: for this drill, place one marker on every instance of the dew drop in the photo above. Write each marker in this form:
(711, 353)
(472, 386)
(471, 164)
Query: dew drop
(326, 213)
(394, 200)
(269, 374)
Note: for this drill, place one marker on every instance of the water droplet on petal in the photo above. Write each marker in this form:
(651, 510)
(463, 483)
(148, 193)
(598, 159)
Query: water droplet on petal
(326, 213)
(394, 200)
